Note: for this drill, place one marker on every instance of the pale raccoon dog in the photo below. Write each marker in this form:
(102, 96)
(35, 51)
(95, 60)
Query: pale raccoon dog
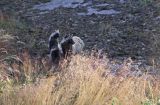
(78, 45)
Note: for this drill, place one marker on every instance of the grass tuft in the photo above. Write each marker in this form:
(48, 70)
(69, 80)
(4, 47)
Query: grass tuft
(84, 81)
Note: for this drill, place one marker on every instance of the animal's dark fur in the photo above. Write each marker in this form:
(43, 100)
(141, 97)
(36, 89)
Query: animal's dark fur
(54, 48)
(65, 48)
(66, 45)
(55, 55)
(53, 40)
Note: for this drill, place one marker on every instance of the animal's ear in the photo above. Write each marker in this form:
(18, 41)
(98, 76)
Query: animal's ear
(57, 31)
(70, 40)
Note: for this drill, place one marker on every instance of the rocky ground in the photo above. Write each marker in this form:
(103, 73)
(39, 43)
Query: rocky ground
(121, 28)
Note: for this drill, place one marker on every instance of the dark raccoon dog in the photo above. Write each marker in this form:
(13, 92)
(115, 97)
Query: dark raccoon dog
(55, 55)
(66, 45)
(54, 47)
(53, 40)
(71, 45)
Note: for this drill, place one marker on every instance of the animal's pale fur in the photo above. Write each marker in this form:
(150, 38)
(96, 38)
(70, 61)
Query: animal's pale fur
(78, 45)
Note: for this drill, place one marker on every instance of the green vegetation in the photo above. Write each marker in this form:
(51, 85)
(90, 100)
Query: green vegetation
(12, 25)
(145, 2)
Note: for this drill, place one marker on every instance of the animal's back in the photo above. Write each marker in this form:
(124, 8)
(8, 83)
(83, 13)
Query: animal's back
(78, 46)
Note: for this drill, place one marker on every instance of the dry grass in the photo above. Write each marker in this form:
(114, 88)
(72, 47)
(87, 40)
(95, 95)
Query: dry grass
(86, 81)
